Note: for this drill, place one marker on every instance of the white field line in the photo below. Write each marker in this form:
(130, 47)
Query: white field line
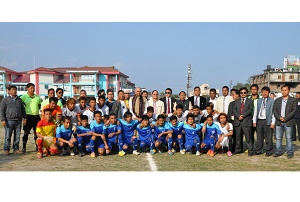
(151, 162)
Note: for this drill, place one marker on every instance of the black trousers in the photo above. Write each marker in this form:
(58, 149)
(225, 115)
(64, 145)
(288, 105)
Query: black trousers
(264, 132)
(298, 128)
(240, 131)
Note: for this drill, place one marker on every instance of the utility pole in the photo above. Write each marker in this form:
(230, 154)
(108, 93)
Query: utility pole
(189, 79)
(230, 84)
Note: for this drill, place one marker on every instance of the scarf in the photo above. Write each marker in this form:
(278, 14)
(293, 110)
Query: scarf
(138, 106)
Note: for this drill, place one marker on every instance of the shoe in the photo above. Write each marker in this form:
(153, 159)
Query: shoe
(173, 150)
(121, 153)
(159, 151)
(6, 152)
(18, 152)
(81, 154)
(237, 152)
(198, 153)
(61, 153)
(93, 155)
(24, 150)
(250, 154)
(246, 151)
(135, 152)
(182, 151)
(72, 153)
(152, 151)
(277, 155)
(208, 152)
(268, 154)
(39, 155)
(170, 153)
(221, 151)
(212, 153)
(258, 153)
(229, 153)
(289, 156)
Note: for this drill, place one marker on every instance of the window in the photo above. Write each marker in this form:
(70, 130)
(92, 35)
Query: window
(46, 87)
(87, 77)
(87, 88)
(21, 88)
(279, 76)
(291, 76)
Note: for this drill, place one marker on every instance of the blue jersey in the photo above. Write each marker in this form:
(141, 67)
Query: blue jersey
(97, 127)
(112, 128)
(144, 133)
(64, 133)
(177, 130)
(190, 132)
(128, 128)
(161, 129)
(212, 130)
(82, 130)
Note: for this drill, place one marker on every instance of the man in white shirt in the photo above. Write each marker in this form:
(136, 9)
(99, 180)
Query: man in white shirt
(212, 96)
(119, 107)
(101, 106)
(158, 105)
(223, 101)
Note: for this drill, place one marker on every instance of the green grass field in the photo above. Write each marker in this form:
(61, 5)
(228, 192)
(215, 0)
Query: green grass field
(163, 162)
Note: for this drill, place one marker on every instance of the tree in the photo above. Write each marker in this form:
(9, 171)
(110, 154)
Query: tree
(240, 85)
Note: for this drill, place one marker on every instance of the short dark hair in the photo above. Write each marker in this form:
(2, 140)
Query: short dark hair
(112, 114)
(286, 86)
(244, 88)
(11, 86)
(209, 116)
(145, 117)
(82, 98)
(29, 84)
(169, 89)
(58, 89)
(296, 93)
(50, 89)
(101, 91)
(233, 90)
(161, 116)
(92, 99)
(97, 112)
(208, 105)
(237, 92)
(127, 114)
(196, 107)
(182, 92)
(150, 109)
(254, 85)
(101, 97)
(109, 90)
(179, 106)
(213, 90)
(106, 116)
(190, 115)
(120, 91)
(266, 88)
(225, 87)
(54, 99)
(154, 91)
(144, 91)
(173, 117)
(197, 87)
(84, 117)
(64, 118)
(47, 110)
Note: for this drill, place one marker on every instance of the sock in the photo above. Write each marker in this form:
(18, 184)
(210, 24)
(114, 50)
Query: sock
(180, 143)
(35, 138)
(170, 142)
(135, 143)
(92, 143)
(188, 148)
(120, 142)
(79, 140)
(142, 145)
(40, 145)
(25, 138)
(198, 145)
(151, 144)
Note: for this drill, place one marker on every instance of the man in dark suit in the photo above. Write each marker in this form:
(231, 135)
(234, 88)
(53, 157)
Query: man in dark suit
(242, 111)
(197, 99)
(297, 115)
(264, 122)
(284, 111)
(168, 101)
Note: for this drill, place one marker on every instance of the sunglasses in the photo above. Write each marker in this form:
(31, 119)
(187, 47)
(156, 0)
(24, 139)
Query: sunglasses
(243, 92)
(168, 92)
(59, 93)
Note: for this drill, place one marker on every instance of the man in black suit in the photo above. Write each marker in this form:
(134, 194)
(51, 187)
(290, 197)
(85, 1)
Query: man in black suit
(197, 99)
(242, 111)
(168, 101)
(284, 111)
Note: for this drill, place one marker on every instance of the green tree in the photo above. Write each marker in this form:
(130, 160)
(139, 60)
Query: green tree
(240, 85)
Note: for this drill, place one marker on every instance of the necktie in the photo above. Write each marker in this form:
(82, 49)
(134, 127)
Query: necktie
(169, 106)
(242, 106)
(196, 101)
(263, 107)
(224, 104)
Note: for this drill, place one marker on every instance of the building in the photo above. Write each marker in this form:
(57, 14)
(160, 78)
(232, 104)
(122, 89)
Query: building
(204, 90)
(274, 78)
(71, 79)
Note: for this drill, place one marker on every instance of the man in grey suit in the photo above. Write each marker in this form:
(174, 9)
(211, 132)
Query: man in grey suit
(264, 122)
(242, 111)
(284, 110)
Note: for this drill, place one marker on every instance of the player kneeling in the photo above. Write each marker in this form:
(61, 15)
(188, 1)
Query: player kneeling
(45, 131)
(65, 141)
(227, 132)
(211, 132)
(127, 137)
(192, 138)
(177, 128)
(112, 134)
(145, 134)
(85, 141)
(163, 134)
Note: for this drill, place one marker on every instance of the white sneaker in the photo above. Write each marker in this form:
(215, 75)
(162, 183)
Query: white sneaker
(72, 153)
(198, 153)
(173, 150)
(182, 151)
(135, 152)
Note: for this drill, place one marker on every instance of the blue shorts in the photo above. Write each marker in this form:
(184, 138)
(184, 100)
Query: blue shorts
(209, 142)
(146, 142)
(127, 142)
(192, 142)
(88, 148)
(162, 140)
(111, 142)
(99, 143)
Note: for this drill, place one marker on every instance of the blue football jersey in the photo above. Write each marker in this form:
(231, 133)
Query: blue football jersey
(112, 128)
(144, 133)
(190, 132)
(97, 127)
(128, 128)
(177, 130)
(82, 130)
(64, 133)
(161, 129)
(212, 130)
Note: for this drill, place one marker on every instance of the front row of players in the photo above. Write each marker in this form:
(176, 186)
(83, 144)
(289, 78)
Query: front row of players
(107, 134)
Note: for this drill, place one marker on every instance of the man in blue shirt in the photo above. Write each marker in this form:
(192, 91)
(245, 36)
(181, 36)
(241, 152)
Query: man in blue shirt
(192, 138)
(112, 134)
(145, 134)
(178, 136)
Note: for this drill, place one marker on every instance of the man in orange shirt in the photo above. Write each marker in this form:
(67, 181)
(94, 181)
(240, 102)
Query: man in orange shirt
(56, 110)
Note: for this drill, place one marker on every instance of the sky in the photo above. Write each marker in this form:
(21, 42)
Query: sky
(154, 55)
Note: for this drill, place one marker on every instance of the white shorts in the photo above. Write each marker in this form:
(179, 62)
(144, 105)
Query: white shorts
(224, 142)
